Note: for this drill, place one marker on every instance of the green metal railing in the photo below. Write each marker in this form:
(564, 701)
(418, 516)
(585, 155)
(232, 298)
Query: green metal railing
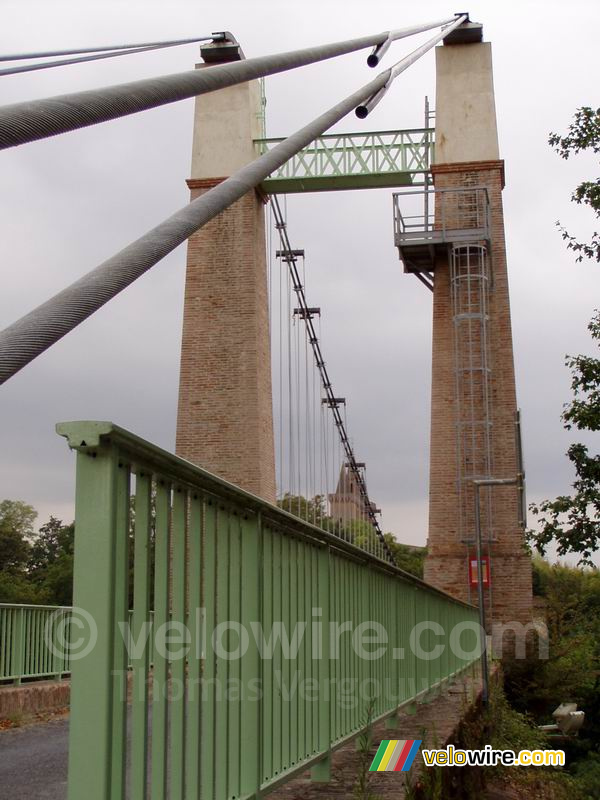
(354, 161)
(244, 709)
(34, 642)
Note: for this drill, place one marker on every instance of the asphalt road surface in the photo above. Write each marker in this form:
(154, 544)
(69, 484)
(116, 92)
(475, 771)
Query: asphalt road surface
(33, 761)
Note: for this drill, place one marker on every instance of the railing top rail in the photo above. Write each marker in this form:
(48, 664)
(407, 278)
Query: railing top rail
(87, 435)
(354, 133)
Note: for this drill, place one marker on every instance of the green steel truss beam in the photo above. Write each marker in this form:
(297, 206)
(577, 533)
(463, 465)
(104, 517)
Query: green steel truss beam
(376, 159)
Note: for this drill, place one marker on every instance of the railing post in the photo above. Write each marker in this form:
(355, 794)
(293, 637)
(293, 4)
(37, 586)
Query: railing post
(17, 645)
(93, 752)
(321, 772)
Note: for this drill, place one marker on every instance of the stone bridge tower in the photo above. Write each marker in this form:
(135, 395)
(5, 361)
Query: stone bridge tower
(225, 417)
(473, 405)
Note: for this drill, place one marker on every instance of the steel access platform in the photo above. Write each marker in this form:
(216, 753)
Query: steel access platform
(444, 217)
(337, 161)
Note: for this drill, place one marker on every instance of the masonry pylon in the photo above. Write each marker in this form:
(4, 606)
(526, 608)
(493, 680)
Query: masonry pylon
(473, 409)
(225, 417)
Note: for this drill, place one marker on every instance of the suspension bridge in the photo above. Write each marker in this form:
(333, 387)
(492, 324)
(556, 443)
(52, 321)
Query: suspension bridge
(234, 596)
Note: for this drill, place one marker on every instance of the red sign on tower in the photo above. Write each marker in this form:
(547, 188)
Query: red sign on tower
(485, 569)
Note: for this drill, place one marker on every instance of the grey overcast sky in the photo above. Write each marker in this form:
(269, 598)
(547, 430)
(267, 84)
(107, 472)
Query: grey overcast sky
(68, 203)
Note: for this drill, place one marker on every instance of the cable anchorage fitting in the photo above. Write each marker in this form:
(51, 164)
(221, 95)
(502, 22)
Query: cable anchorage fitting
(365, 109)
(378, 52)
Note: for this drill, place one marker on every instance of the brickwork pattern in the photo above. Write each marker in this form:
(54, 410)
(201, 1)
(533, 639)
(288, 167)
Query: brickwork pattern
(225, 416)
(509, 596)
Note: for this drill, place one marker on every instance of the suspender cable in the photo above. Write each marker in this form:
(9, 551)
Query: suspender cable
(330, 401)
(34, 333)
(38, 119)
(63, 62)
(104, 48)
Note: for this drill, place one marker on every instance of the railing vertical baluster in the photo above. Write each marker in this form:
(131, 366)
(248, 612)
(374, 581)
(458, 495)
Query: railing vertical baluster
(141, 635)
(266, 664)
(321, 772)
(291, 721)
(196, 625)
(251, 719)
(42, 652)
(17, 645)
(177, 656)
(4, 614)
(55, 658)
(278, 589)
(301, 618)
(309, 654)
(29, 660)
(347, 639)
(413, 651)
(208, 690)
(120, 633)
(161, 687)
(335, 615)
(231, 642)
(221, 664)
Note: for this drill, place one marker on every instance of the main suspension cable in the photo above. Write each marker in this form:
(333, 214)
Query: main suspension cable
(39, 119)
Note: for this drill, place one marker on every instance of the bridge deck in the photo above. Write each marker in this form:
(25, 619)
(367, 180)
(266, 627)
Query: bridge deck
(435, 722)
(33, 758)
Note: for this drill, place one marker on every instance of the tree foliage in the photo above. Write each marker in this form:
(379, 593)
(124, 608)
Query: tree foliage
(358, 531)
(410, 559)
(51, 561)
(34, 568)
(16, 529)
(573, 521)
(570, 605)
(583, 134)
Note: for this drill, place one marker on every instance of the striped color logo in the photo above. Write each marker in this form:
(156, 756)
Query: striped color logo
(395, 755)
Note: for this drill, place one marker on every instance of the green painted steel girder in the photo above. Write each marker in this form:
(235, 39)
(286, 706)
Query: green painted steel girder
(338, 161)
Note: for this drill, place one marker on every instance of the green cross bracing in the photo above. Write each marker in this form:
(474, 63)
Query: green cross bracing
(337, 161)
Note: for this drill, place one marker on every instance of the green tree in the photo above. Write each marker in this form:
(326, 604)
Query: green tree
(583, 134)
(310, 509)
(573, 521)
(410, 559)
(51, 562)
(571, 609)
(16, 532)
(34, 568)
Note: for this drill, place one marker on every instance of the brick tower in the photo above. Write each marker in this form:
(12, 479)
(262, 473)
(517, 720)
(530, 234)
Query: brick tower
(225, 417)
(473, 406)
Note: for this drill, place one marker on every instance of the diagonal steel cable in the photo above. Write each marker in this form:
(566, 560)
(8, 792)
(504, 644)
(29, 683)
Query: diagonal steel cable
(34, 333)
(39, 119)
